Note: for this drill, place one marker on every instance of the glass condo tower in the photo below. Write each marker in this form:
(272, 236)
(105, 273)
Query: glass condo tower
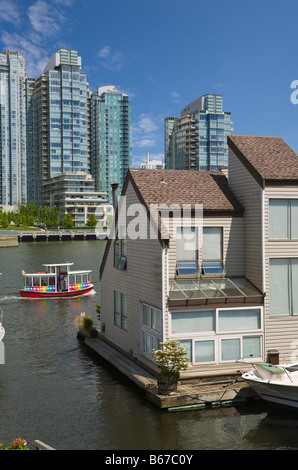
(110, 138)
(197, 140)
(60, 122)
(13, 178)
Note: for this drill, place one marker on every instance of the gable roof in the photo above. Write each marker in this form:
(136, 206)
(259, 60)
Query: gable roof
(180, 187)
(269, 159)
(185, 187)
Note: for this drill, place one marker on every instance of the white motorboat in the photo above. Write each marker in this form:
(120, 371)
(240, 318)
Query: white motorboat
(2, 330)
(277, 385)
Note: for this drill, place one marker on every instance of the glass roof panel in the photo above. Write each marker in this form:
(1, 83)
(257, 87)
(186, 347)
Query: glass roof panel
(191, 289)
(246, 287)
(228, 288)
(212, 288)
(175, 293)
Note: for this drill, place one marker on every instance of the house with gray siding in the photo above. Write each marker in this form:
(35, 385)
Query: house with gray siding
(263, 175)
(207, 258)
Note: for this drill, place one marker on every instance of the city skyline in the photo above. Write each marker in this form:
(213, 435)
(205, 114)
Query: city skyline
(164, 56)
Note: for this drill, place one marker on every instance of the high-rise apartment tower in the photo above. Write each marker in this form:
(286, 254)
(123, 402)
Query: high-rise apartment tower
(197, 140)
(60, 122)
(13, 185)
(110, 138)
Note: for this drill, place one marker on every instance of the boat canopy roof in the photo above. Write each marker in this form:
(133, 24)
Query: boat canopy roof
(58, 264)
(53, 274)
(39, 274)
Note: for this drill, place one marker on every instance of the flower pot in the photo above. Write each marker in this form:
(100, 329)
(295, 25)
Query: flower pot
(165, 387)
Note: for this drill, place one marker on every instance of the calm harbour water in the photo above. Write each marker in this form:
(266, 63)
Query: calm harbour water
(54, 389)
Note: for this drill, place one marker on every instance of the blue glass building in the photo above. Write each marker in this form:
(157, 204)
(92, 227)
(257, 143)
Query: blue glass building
(197, 140)
(60, 122)
(13, 185)
(110, 138)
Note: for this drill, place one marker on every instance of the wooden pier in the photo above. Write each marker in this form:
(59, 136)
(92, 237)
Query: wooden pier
(8, 240)
(57, 235)
(199, 387)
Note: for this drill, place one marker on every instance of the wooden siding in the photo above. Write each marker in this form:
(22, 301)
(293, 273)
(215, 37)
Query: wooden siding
(141, 282)
(281, 332)
(249, 194)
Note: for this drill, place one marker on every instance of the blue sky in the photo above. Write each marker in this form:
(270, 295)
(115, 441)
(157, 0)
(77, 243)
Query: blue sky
(166, 53)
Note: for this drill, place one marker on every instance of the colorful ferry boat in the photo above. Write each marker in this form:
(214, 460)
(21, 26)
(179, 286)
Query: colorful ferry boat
(56, 281)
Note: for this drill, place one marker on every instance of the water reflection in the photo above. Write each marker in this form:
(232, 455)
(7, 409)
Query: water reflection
(53, 388)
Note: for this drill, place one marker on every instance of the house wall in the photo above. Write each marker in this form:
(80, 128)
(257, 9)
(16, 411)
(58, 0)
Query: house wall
(281, 332)
(249, 194)
(233, 246)
(142, 282)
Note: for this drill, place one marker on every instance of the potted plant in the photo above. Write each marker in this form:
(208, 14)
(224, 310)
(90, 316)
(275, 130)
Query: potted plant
(86, 323)
(171, 358)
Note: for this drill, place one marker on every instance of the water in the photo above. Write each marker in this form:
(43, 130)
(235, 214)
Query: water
(54, 389)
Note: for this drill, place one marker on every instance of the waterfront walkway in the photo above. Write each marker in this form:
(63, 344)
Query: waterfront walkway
(199, 387)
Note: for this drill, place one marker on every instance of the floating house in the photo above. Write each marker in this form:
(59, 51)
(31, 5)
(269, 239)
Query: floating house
(208, 258)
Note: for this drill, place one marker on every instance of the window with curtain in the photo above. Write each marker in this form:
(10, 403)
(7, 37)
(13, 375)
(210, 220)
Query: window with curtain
(152, 317)
(283, 286)
(151, 329)
(212, 251)
(187, 250)
(205, 351)
(193, 322)
(120, 310)
(239, 320)
(283, 219)
(219, 335)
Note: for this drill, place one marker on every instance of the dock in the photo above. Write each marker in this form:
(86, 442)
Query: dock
(58, 235)
(199, 387)
(8, 239)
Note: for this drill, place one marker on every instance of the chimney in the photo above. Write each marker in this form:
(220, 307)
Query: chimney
(115, 195)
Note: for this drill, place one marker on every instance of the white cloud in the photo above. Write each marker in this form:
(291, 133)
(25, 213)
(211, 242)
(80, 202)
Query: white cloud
(146, 131)
(67, 3)
(147, 124)
(37, 34)
(45, 19)
(104, 51)
(36, 57)
(9, 12)
(110, 60)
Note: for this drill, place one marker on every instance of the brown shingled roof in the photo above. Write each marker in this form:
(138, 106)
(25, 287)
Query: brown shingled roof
(269, 159)
(181, 187)
(185, 187)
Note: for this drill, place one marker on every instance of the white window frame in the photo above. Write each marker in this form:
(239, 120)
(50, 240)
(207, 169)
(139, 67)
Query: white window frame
(217, 335)
(149, 331)
(221, 260)
(289, 238)
(291, 287)
(121, 314)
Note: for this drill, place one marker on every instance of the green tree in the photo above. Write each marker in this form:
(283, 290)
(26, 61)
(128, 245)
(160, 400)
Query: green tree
(67, 221)
(4, 220)
(92, 221)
